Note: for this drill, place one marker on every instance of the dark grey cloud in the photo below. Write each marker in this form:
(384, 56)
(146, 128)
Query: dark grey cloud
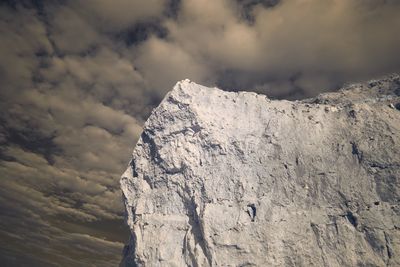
(79, 78)
(140, 32)
(246, 8)
(172, 8)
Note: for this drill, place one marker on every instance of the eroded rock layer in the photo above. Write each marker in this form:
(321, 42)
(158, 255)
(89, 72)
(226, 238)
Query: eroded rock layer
(236, 179)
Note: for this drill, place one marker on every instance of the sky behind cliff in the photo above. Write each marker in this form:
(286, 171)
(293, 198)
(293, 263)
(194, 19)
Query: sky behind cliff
(79, 78)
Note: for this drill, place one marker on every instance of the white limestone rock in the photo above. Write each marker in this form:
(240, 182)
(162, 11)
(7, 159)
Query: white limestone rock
(236, 179)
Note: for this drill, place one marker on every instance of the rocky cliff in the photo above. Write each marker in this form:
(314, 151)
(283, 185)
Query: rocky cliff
(236, 179)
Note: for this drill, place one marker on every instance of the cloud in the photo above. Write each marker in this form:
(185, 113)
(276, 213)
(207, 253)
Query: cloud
(33, 193)
(21, 40)
(70, 32)
(163, 63)
(118, 14)
(320, 44)
(68, 123)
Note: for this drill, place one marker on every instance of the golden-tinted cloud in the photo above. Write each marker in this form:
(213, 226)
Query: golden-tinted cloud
(316, 45)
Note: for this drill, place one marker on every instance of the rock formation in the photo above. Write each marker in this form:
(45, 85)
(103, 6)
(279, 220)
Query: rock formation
(236, 179)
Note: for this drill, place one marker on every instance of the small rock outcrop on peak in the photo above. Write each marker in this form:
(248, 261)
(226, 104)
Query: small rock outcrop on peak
(236, 179)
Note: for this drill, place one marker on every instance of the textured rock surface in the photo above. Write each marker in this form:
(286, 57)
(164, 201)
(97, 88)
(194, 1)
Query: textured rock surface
(236, 179)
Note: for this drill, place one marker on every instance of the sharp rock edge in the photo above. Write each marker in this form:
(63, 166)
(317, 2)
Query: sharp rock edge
(236, 179)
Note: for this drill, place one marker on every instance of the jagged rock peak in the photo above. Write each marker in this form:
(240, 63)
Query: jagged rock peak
(236, 179)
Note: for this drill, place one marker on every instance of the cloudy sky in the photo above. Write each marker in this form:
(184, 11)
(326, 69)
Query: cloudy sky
(79, 78)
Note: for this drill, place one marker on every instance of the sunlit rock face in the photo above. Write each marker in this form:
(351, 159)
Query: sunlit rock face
(236, 179)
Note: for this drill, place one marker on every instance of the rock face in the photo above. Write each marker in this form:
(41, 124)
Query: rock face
(236, 179)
